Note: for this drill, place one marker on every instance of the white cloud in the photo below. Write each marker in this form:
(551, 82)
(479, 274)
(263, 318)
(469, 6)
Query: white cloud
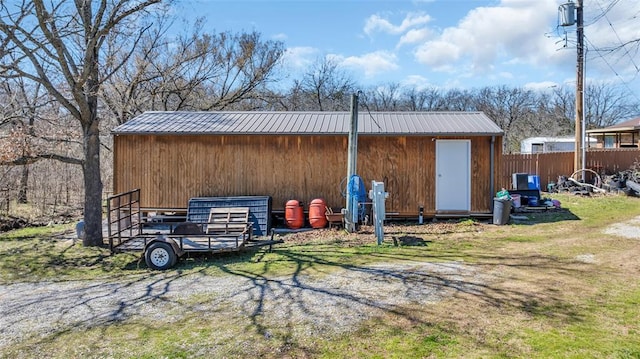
(439, 54)
(371, 63)
(417, 82)
(377, 23)
(300, 57)
(280, 37)
(414, 36)
(513, 29)
(504, 75)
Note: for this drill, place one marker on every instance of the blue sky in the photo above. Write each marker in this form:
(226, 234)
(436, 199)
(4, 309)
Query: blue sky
(446, 44)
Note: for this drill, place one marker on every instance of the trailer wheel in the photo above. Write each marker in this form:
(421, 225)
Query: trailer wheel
(160, 256)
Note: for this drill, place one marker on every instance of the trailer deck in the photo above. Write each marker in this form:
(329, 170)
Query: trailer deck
(190, 243)
(227, 230)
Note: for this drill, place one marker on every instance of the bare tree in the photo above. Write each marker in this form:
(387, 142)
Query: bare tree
(60, 45)
(325, 87)
(509, 108)
(195, 71)
(127, 92)
(383, 98)
(23, 105)
(563, 107)
(429, 99)
(458, 100)
(550, 116)
(606, 105)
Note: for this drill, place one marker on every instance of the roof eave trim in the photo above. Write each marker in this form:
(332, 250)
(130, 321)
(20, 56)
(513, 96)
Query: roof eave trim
(611, 130)
(170, 133)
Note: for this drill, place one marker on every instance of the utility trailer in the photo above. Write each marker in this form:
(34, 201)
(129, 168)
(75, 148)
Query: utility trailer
(228, 229)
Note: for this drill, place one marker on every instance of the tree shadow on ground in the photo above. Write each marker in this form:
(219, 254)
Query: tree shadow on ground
(409, 241)
(321, 289)
(551, 215)
(437, 276)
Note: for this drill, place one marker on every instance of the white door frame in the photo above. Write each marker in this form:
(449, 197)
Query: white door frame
(453, 175)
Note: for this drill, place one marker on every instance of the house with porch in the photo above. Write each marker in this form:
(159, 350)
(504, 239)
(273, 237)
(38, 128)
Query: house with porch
(621, 135)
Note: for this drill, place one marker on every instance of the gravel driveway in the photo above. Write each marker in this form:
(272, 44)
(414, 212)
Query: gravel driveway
(334, 302)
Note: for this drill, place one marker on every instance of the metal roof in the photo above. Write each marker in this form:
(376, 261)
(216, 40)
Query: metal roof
(630, 125)
(552, 139)
(310, 123)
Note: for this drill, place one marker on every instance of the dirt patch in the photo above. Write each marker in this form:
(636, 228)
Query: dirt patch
(401, 234)
(629, 229)
(586, 258)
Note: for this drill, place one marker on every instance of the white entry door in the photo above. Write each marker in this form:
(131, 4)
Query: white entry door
(453, 175)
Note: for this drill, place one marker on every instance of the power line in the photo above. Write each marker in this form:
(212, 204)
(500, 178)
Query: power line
(604, 13)
(614, 71)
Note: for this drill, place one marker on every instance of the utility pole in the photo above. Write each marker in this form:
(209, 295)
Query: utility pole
(578, 157)
(351, 215)
(352, 157)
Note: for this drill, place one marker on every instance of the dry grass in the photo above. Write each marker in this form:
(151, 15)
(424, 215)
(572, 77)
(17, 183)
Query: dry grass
(555, 286)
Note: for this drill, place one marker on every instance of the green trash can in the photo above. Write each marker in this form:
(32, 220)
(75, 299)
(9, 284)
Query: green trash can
(501, 211)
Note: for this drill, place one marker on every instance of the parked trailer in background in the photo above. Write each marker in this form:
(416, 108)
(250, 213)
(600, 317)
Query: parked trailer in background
(551, 144)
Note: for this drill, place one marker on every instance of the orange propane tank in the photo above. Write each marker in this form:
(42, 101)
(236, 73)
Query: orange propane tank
(317, 217)
(294, 214)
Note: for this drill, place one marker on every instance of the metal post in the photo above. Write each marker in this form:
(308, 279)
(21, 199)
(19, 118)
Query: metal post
(585, 141)
(378, 195)
(492, 190)
(352, 160)
(577, 163)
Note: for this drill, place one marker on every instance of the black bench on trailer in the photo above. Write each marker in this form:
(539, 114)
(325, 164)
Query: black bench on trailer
(226, 230)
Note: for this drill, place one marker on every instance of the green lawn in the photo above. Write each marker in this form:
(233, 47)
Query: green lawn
(554, 286)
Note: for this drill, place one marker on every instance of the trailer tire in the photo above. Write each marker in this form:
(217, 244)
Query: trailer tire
(160, 256)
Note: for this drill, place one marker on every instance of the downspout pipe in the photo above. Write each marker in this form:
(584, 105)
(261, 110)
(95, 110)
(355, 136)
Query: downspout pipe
(492, 169)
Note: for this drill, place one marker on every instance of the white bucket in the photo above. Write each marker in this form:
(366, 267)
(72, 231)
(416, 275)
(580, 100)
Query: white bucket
(516, 200)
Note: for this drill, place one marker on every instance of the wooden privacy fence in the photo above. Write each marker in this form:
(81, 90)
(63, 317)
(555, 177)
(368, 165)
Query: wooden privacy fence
(549, 166)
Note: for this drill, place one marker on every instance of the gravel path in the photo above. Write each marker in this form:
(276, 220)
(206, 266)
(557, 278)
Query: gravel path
(335, 302)
(629, 229)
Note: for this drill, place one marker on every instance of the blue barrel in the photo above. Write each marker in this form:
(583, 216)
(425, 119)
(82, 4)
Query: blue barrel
(80, 229)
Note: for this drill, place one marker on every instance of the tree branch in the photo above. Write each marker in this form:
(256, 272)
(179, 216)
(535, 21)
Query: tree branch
(26, 160)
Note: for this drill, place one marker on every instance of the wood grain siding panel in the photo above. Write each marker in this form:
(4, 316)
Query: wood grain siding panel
(170, 169)
(404, 164)
(180, 167)
(481, 196)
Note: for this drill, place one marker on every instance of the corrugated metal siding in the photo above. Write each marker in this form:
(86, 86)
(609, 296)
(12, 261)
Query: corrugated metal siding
(311, 123)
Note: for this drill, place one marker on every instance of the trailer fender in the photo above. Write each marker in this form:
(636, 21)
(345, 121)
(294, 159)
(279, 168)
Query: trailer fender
(162, 238)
